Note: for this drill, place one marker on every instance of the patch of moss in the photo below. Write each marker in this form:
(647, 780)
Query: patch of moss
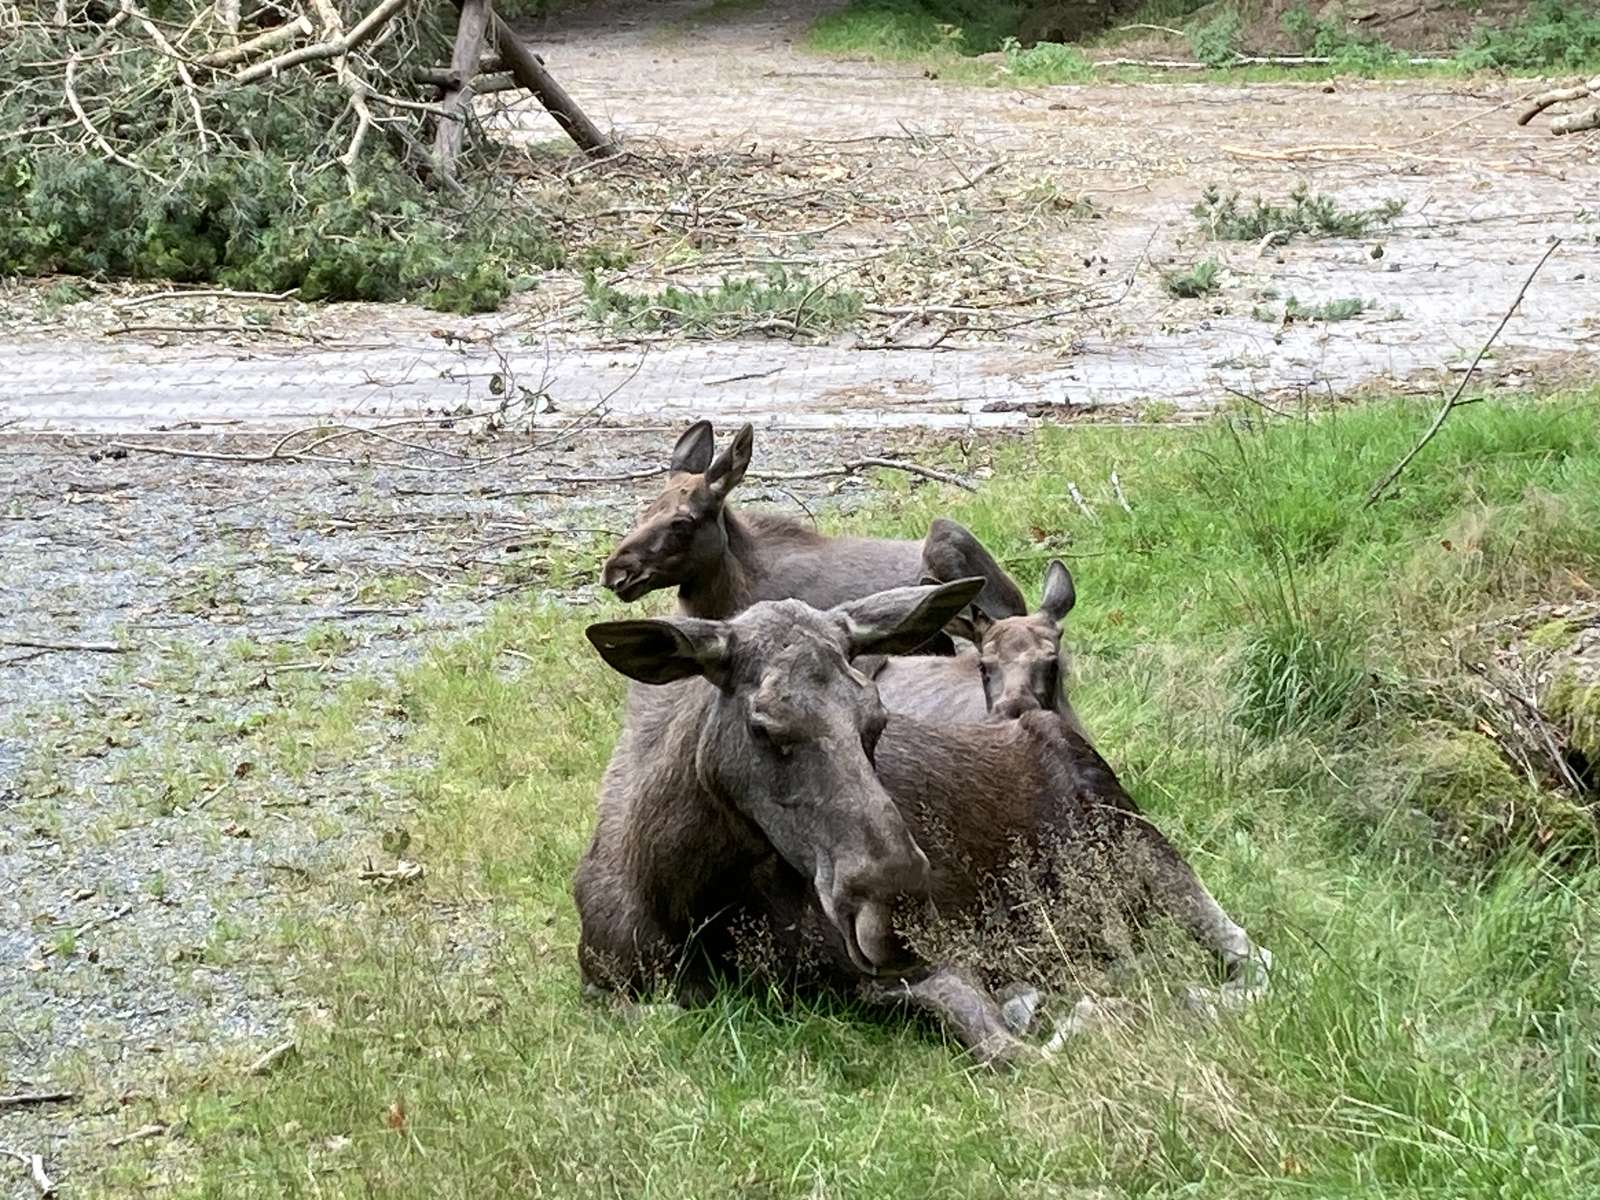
(1575, 702)
(1460, 778)
(1552, 635)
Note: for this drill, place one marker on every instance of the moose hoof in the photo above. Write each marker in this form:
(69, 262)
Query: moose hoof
(1089, 1014)
(1019, 1007)
(1002, 1052)
(1210, 1003)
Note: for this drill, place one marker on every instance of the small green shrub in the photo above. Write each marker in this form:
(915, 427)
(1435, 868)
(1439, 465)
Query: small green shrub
(1199, 280)
(1230, 219)
(1216, 42)
(1354, 52)
(732, 307)
(1560, 35)
(1047, 62)
(905, 28)
(262, 225)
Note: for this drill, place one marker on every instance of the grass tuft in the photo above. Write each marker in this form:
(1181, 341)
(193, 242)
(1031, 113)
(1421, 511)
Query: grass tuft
(1199, 280)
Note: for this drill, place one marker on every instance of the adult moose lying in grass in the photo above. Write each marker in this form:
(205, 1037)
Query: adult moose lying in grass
(760, 791)
(722, 561)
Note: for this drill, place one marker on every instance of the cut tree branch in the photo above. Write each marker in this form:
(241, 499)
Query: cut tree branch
(288, 32)
(361, 32)
(471, 29)
(528, 70)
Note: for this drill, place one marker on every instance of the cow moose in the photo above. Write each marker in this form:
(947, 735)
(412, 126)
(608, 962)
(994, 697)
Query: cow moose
(759, 782)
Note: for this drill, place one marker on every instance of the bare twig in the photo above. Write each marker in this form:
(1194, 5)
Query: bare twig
(1077, 498)
(182, 67)
(42, 1183)
(24, 643)
(740, 378)
(1455, 400)
(142, 1134)
(29, 1099)
(272, 1058)
(855, 466)
(1116, 488)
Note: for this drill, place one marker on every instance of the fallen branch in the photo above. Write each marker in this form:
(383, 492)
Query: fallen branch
(1571, 122)
(403, 871)
(143, 1133)
(42, 1183)
(83, 118)
(360, 32)
(1455, 400)
(204, 293)
(287, 32)
(855, 466)
(28, 1099)
(87, 647)
(1247, 60)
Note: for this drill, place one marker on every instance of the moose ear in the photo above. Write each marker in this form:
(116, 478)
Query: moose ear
(1059, 594)
(662, 651)
(962, 624)
(723, 475)
(902, 619)
(692, 454)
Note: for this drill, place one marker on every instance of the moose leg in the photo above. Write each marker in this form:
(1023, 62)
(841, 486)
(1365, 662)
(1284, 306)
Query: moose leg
(963, 1008)
(1177, 891)
(951, 552)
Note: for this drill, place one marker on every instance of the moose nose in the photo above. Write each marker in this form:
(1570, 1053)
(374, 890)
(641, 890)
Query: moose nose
(1010, 707)
(616, 574)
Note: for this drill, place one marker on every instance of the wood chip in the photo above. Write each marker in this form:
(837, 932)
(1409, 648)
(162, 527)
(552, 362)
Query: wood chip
(403, 871)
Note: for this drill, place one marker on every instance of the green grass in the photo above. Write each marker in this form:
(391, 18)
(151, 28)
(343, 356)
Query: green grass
(1263, 659)
(1555, 36)
(1199, 280)
(775, 300)
(911, 28)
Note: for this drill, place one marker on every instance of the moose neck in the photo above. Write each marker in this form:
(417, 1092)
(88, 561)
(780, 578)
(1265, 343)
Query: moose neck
(689, 845)
(727, 588)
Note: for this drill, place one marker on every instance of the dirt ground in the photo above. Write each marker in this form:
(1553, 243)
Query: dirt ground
(1009, 243)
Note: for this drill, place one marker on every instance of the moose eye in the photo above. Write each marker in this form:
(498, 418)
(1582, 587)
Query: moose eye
(761, 733)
